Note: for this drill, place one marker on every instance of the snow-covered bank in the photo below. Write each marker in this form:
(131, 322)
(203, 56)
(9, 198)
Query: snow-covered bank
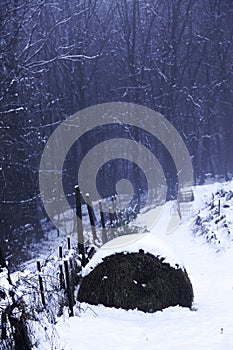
(210, 325)
(209, 265)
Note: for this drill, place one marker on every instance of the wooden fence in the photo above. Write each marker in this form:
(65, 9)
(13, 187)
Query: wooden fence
(67, 267)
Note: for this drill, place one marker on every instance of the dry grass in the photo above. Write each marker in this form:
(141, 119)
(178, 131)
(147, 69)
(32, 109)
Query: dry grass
(136, 281)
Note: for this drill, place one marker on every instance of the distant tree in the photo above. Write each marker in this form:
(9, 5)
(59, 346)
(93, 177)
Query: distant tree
(59, 57)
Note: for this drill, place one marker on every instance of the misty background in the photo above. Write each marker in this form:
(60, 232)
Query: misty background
(58, 57)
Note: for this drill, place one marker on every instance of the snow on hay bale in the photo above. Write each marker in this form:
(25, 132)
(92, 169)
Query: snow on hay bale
(136, 280)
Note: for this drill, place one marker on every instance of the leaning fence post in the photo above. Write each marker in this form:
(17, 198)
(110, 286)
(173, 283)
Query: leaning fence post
(103, 222)
(69, 293)
(41, 283)
(79, 224)
(91, 215)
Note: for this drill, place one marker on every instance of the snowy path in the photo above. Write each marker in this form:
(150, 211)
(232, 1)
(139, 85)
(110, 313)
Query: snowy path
(209, 327)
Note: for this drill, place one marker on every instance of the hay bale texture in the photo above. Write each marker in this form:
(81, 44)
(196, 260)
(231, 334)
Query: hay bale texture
(136, 281)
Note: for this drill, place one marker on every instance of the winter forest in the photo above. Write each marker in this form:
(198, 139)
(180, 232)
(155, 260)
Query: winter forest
(58, 57)
(116, 174)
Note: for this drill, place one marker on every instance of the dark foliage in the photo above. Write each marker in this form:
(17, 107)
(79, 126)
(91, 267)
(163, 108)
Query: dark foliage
(136, 280)
(2, 260)
(59, 57)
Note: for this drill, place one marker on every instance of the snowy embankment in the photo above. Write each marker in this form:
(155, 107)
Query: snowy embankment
(210, 268)
(202, 242)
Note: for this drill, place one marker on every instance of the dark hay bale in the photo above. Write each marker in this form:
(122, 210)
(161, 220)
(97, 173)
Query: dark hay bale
(136, 280)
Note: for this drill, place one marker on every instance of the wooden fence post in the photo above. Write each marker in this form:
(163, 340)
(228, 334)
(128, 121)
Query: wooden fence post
(4, 325)
(68, 243)
(103, 222)
(2, 260)
(80, 224)
(110, 217)
(114, 209)
(68, 288)
(91, 215)
(41, 283)
(60, 252)
(61, 278)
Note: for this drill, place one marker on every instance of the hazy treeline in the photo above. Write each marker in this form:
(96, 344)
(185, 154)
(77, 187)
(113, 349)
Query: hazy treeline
(58, 57)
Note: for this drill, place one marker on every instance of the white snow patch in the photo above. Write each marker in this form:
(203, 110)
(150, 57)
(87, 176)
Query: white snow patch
(131, 244)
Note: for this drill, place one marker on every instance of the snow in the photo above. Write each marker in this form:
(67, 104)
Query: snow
(209, 325)
(133, 243)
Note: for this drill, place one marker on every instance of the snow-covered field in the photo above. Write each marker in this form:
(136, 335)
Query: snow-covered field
(208, 326)
(203, 243)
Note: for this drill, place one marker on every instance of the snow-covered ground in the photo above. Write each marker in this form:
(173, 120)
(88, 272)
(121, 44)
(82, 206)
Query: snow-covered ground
(202, 242)
(208, 326)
